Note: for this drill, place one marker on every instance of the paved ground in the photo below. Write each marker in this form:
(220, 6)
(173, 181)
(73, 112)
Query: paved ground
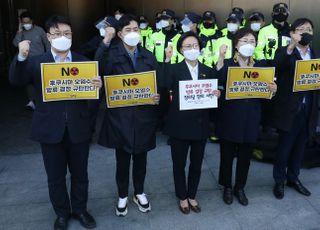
(24, 201)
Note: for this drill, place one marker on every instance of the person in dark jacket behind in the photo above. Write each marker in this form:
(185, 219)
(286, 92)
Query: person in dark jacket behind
(61, 127)
(238, 120)
(131, 131)
(187, 129)
(294, 113)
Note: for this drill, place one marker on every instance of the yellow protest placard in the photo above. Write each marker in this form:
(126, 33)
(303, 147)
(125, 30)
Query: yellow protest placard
(69, 81)
(307, 75)
(251, 82)
(130, 89)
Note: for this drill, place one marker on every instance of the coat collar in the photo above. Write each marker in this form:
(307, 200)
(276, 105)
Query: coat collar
(184, 69)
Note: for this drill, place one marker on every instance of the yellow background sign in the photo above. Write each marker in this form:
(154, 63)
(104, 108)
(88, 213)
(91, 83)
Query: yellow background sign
(130, 89)
(307, 75)
(251, 82)
(69, 81)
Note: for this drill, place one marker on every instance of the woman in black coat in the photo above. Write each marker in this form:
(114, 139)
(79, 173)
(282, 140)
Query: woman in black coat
(187, 129)
(238, 120)
(131, 131)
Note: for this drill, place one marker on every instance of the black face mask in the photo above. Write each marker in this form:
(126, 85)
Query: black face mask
(306, 39)
(208, 25)
(280, 17)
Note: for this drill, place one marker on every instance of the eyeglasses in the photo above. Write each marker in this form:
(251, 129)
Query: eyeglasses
(190, 46)
(252, 42)
(60, 34)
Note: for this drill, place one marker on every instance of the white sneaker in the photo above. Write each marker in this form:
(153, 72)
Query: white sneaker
(122, 209)
(142, 202)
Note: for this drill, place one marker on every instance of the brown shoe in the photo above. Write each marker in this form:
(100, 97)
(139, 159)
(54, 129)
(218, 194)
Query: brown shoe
(196, 208)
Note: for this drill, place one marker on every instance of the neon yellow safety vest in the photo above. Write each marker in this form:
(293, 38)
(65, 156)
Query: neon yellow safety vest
(224, 31)
(156, 45)
(144, 35)
(207, 53)
(268, 40)
(207, 32)
(216, 49)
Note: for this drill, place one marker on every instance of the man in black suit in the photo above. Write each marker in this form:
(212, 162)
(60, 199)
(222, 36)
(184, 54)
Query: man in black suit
(61, 127)
(294, 113)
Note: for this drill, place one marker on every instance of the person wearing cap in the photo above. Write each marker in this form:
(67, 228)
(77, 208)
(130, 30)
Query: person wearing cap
(145, 30)
(159, 40)
(256, 21)
(119, 12)
(208, 28)
(240, 13)
(187, 129)
(274, 35)
(233, 25)
(157, 25)
(131, 130)
(294, 114)
(190, 22)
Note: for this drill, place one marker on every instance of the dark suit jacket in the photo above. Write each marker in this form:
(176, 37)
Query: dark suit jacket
(238, 120)
(286, 104)
(50, 119)
(189, 124)
(131, 128)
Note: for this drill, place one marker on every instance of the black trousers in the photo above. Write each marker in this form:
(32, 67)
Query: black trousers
(139, 167)
(229, 150)
(57, 159)
(179, 154)
(291, 147)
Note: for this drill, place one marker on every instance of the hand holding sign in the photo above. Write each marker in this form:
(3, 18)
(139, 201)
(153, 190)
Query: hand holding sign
(24, 48)
(96, 81)
(217, 93)
(156, 98)
(272, 87)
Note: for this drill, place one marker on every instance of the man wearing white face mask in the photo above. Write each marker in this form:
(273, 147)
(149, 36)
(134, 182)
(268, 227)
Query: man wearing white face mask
(63, 128)
(187, 129)
(145, 31)
(131, 131)
(39, 44)
(256, 21)
(190, 22)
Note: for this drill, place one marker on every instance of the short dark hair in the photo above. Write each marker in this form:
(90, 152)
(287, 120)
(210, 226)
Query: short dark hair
(186, 35)
(53, 22)
(299, 22)
(120, 9)
(241, 33)
(25, 14)
(126, 19)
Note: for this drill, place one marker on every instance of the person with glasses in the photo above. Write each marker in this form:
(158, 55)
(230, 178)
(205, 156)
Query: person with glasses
(294, 114)
(186, 129)
(237, 120)
(63, 128)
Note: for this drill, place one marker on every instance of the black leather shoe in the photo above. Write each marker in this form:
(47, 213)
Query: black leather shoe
(85, 219)
(278, 190)
(297, 185)
(61, 223)
(227, 195)
(239, 193)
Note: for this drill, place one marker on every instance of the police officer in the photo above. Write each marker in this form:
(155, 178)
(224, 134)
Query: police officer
(274, 35)
(190, 22)
(256, 21)
(240, 12)
(166, 36)
(208, 28)
(145, 30)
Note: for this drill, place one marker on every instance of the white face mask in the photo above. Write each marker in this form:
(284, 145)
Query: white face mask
(143, 25)
(158, 25)
(118, 16)
(27, 26)
(246, 50)
(164, 23)
(61, 43)
(255, 26)
(132, 38)
(185, 28)
(192, 54)
(232, 27)
(102, 32)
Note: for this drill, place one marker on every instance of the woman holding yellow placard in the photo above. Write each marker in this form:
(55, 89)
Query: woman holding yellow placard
(238, 120)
